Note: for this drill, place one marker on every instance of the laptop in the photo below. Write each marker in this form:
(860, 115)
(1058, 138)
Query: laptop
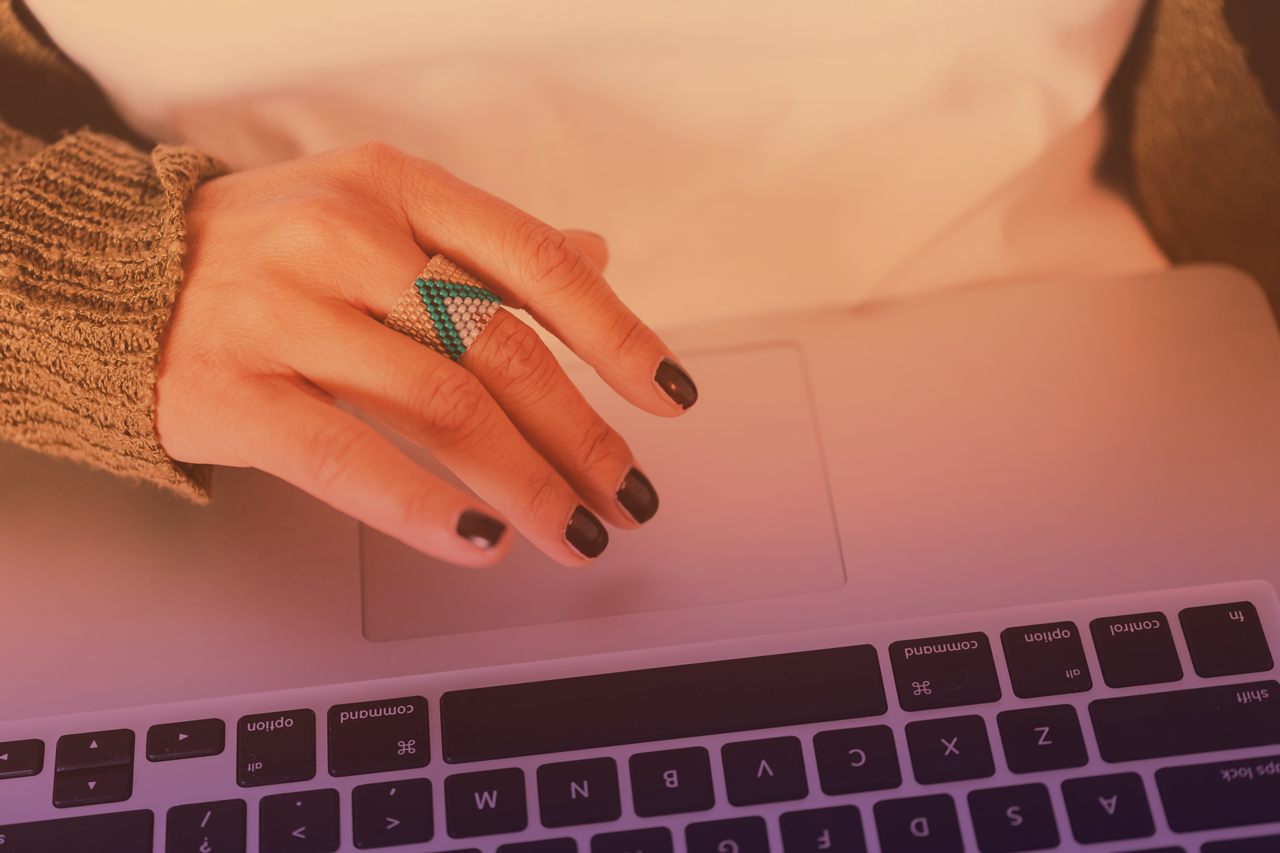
(989, 569)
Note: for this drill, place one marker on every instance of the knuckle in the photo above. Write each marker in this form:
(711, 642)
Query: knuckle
(374, 155)
(543, 493)
(515, 357)
(553, 263)
(332, 451)
(451, 406)
(629, 335)
(600, 450)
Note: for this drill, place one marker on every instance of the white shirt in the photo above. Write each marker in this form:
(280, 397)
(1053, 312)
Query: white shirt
(741, 158)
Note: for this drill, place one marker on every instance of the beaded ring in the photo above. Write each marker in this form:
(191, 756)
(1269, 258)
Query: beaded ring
(445, 308)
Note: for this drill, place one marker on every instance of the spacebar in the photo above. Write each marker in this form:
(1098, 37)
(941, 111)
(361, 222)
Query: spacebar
(1185, 722)
(119, 832)
(648, 705)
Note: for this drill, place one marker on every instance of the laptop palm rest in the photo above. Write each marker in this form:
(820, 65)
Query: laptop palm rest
(745, 514)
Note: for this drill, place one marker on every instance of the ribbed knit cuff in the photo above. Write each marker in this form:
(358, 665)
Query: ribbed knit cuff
(91, 242)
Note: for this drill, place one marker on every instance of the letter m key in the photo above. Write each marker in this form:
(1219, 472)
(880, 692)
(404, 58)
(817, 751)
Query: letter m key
(486, 799)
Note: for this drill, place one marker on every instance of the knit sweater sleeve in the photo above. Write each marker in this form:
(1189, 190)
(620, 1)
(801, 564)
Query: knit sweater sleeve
(91, 245)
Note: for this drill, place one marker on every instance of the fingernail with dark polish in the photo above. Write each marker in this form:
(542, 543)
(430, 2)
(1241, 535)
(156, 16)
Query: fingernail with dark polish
(638, 497)
(586, 534)
(672, 379)
(479, 529)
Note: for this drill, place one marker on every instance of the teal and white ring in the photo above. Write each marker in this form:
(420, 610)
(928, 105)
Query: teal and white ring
(446, 308)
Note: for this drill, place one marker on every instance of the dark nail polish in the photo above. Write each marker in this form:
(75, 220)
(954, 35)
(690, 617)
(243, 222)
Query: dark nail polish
(679, 387)
(586, 534)
(638, 497)
(479, 529)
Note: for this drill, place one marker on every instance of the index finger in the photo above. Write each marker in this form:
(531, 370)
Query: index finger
(535, 267)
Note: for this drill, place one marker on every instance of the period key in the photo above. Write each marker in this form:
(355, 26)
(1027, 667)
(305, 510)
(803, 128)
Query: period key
(1045, 660)
(377, 737)
(275, 748)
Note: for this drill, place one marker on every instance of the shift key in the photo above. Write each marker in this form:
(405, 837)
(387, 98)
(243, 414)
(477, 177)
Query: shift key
(275, 748)
(1187, 722)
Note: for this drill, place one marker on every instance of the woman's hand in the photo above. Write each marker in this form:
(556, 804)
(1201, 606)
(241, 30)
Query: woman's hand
(290, 271)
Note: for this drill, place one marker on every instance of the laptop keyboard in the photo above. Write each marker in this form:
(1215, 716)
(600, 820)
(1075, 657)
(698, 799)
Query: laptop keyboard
(1140, 723)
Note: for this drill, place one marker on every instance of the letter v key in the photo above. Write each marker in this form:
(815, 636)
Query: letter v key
(1109, 803)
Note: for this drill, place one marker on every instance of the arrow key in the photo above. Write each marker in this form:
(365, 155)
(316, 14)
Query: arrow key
(192, 739)
(21, 758)
(391, 813)
(93, 786)
(300, 822)
(94, 749)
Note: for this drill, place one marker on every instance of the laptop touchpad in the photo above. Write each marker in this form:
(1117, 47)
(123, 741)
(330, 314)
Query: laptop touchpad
(745, 514)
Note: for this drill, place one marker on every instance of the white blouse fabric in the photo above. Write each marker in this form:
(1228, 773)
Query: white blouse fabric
(740, 157)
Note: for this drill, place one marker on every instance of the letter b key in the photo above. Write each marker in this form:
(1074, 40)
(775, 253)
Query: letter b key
(672, 781)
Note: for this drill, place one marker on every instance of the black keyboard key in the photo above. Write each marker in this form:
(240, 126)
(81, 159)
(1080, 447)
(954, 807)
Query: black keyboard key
(490, 802)
(764, 771)
(654, 839)
(671, 781)
(1225, 793)
(92, 787)
(1013, 819)
(1225, 639)
(119, 832)
(545, 845)
(854, 760)
(918, 825)
(837, 829)
(1044, 738)
(94, 749)
(275, 748)
(1257, 844)
(376, 737)
(1045, 660)
(387, 814)
(572, 793)
(21, 758)
(206, 827)
(1185, 722)
(1108, 808)
(661, 704)
(736, 835)
(944, 672)
(193, 739)
(299, 822)
(950, 749)
(1135, 649)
